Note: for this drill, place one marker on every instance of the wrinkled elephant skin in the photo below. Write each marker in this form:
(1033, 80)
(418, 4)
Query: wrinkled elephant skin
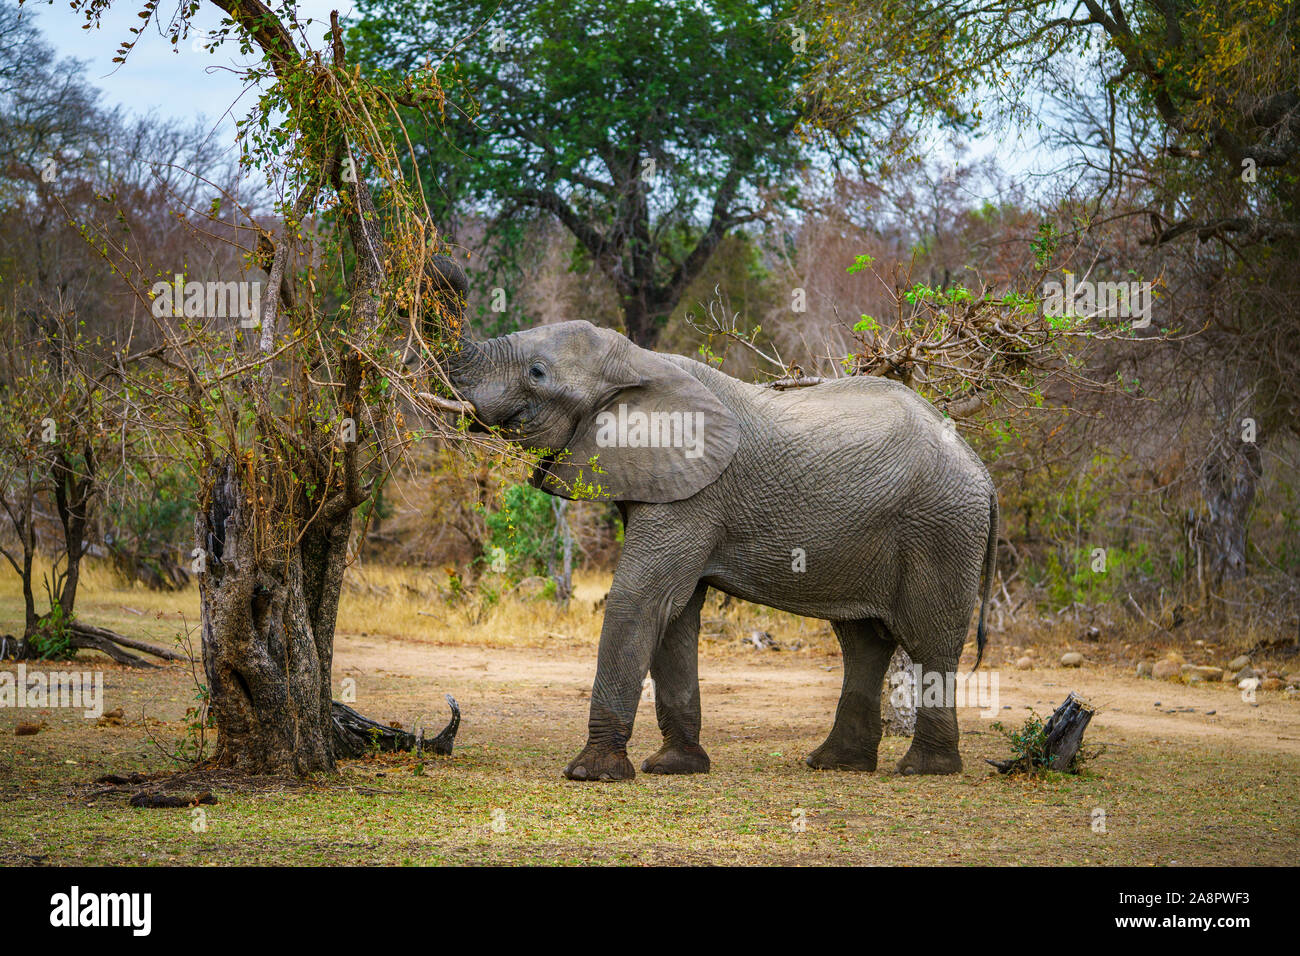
(854, 501)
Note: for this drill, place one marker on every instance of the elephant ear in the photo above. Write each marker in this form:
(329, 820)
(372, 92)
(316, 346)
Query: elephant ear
(659, 435)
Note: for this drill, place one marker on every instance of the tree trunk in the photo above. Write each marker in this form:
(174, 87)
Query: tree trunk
(30, 618)
(564, 576)
(1228, 479)
(642, 323)
(267, 632)
(899, 719)
(72, 494)
(21, 515)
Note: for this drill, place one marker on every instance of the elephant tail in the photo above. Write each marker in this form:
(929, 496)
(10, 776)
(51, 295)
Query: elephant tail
(990, 569)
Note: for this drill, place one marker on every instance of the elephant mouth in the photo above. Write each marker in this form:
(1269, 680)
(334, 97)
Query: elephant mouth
(531, 430)
(516, 426)
(542, 471)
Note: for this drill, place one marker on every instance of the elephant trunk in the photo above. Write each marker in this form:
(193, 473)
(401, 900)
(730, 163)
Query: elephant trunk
(478, 371)
(465, 365)
(446, 281)
(480, 374)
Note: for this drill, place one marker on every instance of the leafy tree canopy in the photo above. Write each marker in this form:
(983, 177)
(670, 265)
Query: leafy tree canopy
(648, 129)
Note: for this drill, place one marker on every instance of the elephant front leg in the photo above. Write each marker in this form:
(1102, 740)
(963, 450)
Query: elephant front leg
(656, 580)
(605, 756)
(627, 641)
(675, 669)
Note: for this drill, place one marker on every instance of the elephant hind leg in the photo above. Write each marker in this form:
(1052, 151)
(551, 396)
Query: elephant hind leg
(855, 737)
(675, 670)
(934, 744)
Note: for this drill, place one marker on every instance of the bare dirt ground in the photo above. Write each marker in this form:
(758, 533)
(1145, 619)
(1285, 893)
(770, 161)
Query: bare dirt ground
(1215, 784)
(794, 694)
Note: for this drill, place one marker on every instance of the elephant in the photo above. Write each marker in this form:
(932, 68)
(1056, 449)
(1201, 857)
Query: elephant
(854, 501)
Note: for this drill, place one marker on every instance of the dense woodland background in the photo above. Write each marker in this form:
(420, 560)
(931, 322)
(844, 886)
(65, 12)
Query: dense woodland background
(797, 209)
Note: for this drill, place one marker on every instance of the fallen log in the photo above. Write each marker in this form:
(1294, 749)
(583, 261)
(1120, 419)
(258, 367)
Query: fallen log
(165, 653)
(94, 642)
(89, 637)
(1057, 746)
(355, 734)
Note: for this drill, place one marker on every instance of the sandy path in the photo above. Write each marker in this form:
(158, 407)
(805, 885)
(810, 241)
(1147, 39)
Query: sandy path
(745, 692)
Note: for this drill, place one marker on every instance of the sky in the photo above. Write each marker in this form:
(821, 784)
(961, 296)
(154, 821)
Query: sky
(181, 82)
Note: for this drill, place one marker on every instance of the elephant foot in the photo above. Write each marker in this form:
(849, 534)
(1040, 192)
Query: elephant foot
(831, 756)
(686, 758)
(929, 761)
(602, 765)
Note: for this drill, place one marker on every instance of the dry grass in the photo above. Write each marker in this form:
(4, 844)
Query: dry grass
(401, 602)
(415, 604)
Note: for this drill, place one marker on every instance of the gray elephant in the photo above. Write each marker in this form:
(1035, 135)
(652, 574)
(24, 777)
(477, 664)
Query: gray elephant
(852, 501)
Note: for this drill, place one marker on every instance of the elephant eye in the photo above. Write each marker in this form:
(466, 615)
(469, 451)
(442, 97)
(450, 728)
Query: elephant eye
(537, 373)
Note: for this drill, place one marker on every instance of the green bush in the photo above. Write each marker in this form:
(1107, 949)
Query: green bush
(152, 526)
(522, 540)
(1074, 580)
(52, 640)
(1028, 742)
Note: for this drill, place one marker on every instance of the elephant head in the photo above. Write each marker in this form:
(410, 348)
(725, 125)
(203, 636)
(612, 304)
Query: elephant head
(611, 420)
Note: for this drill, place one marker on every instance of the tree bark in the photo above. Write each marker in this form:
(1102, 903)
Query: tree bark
(641, 321)
(267, 632)
(354, 734)
(899, 718)
(1228, 480)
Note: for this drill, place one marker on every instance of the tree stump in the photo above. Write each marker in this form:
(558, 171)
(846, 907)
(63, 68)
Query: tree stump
(1057, 748)
(899, 717)
(354, 734)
